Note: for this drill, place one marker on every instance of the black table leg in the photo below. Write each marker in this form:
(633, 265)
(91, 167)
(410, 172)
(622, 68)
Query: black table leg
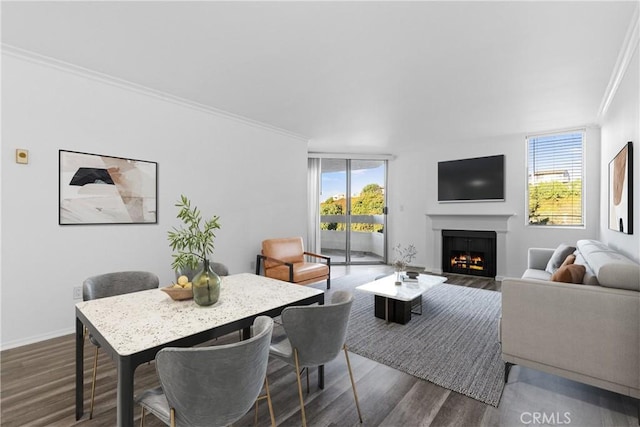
(387, 301)
(79, 369)
(125, 392)
(321, 367)
(245, 333)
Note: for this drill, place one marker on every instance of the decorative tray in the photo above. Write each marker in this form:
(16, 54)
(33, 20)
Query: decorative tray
(178, 294)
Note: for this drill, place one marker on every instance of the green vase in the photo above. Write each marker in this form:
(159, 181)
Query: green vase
(206, 286)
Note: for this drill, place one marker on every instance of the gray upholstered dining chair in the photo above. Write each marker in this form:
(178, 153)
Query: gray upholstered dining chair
(211, 386)
(219, 268)
(107, 285)
(315, 336)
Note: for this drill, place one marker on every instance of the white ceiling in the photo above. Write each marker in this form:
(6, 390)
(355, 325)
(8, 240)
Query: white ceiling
(371, 77)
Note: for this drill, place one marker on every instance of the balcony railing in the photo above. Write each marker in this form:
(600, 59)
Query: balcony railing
(355, 219)
(365, 245)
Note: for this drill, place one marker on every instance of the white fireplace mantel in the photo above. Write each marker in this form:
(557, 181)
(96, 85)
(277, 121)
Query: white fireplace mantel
(477, 221)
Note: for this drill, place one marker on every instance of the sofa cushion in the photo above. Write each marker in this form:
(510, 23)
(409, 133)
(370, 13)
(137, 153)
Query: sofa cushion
(539, 257)
(612, 269)
(532, 273)
(558, 257)
(571, 273)
(303, 272)
(587, 246)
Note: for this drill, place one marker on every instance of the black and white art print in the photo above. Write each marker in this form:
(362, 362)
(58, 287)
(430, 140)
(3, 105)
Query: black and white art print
(621, 191)
(97, 189)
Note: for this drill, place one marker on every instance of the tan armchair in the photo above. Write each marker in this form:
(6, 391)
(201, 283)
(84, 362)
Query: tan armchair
(284, 259)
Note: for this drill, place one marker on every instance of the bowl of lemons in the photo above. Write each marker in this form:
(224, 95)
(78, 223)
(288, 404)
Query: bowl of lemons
(181, 290)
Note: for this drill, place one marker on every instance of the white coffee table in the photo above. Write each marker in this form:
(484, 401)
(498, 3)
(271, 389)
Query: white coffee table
(393, 302)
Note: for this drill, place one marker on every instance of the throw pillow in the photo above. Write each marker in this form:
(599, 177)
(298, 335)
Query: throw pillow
(572, 273)
(570, 259)
(559, 255)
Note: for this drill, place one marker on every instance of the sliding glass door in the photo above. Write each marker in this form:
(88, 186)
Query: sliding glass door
(352, 210)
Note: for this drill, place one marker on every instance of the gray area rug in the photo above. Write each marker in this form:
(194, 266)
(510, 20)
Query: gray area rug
(453, 344)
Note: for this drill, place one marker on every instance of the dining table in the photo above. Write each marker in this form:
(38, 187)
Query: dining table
(132, 328)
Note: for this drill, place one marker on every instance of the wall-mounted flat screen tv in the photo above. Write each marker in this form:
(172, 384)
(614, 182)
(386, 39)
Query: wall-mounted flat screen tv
(477, 179)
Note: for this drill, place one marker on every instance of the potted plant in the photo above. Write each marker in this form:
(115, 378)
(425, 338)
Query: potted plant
(192, 244)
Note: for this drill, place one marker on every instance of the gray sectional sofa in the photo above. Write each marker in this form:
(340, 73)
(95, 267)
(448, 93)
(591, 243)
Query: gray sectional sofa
(587, 332)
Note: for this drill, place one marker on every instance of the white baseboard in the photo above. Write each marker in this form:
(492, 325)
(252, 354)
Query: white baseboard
(34, 339)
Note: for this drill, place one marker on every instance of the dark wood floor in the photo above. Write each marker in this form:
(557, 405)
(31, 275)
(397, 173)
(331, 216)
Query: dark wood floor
(38, 390)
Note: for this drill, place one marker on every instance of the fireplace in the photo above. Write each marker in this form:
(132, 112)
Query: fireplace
(469, 252)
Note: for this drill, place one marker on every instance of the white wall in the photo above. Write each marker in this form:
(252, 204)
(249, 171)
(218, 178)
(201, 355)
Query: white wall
(253, 177)
(413, 193)
(620, 125)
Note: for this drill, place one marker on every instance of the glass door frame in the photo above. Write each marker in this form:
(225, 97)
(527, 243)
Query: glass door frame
(349, 208)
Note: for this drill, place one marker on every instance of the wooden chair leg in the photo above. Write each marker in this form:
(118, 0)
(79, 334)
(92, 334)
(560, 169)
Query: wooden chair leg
(93, 382)
(255, 413)
(271, 414)
(267, 396)
(172, 417)
(142, 414)
(304, 417)
(353, 383)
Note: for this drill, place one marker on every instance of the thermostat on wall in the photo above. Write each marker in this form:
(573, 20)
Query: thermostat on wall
(22, 156)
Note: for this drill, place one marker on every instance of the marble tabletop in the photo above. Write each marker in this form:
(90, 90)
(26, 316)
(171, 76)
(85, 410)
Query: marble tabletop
(141, 320)
(407, 291)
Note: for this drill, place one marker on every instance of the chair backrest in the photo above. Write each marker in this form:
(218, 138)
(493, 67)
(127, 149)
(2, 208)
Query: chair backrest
(118, 283)
(217, 385)
(288, 249)
(318, 332)
(217, 267)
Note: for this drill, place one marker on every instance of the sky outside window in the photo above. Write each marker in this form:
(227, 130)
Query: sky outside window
(334, 183)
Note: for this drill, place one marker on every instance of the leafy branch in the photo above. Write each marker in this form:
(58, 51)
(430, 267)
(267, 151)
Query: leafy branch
(191, 243)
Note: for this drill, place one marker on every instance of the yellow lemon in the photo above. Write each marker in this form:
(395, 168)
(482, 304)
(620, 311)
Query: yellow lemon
(182, 280)
(188, 285)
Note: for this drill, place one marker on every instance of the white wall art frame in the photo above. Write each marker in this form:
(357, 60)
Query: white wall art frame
(98, 189)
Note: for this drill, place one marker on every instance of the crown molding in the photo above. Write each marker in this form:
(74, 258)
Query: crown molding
(627, 51)
(50, 62)
(352, 156)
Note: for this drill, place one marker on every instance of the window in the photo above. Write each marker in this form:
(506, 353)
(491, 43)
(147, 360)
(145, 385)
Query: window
(555, 176)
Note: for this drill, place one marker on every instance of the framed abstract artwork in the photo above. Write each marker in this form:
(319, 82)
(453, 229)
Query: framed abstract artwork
(621, 191)
(97, 189)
